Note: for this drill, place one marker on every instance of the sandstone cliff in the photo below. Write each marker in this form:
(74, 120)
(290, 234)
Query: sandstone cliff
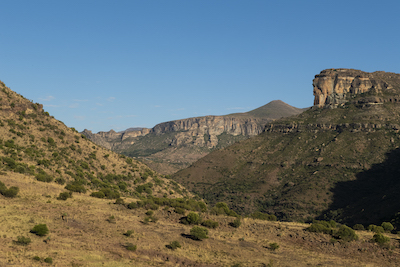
(179, 143)
(337, 86)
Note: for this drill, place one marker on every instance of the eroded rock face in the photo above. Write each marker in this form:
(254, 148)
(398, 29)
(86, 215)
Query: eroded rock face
(336, 86)
(211, 126)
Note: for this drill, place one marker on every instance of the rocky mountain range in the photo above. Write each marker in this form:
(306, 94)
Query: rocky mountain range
(337, 160)
(173, 145)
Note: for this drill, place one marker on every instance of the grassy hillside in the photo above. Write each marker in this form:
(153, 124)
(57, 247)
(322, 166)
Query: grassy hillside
(35, 144)
(87, 231)
(336, 164)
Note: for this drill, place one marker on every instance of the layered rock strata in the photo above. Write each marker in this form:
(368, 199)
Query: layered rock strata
(336, 86)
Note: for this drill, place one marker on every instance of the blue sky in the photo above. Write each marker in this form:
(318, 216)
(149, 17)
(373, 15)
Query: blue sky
(104, 65)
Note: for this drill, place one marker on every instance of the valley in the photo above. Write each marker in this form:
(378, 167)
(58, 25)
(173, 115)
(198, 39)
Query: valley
(316, 188)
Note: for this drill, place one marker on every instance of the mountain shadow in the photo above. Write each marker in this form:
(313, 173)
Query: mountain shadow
(370, 199)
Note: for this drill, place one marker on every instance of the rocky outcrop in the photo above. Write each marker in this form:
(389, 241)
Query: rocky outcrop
(201, 131)
(337, 86)
(108, 139)
(204, 130)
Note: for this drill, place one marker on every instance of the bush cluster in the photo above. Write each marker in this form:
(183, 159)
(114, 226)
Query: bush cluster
(23, 241)
(8, 192)
(236, 223)
(210, 224)
(174, 245)
(263, 216)
(40, 230)
(344, 232)
(199, 233)
(106, 193)
(222, 208)
(65, 195)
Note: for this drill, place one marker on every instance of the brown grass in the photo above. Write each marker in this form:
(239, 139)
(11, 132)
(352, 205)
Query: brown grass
(86, 238)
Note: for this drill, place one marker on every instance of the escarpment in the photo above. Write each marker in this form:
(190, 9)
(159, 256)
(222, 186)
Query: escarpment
(333, 87)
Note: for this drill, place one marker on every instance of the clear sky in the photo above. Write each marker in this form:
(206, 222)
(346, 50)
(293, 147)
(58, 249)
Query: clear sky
(104, 65)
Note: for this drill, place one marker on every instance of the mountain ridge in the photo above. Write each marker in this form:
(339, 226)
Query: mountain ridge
(295, 167)
(180, 142)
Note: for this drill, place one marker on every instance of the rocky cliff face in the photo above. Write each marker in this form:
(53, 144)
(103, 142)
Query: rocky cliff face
(204, 130)
(336, 86)
(173, 145)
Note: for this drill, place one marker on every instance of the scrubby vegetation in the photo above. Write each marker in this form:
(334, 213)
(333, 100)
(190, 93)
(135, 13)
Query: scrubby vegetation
(40, 230)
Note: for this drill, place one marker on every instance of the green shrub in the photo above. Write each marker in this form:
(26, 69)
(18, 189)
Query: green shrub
(10, 192)
(320, 227)
(345, 233)
(149, 212)
(193, 218)
(23, 241)
(380, 239)
(387, 226)
(179, 210)
(375, 228)
(174, 245)
(65, 195)
(111, 219)
(60, 180)
(130, 246)
(210, 224)
(358, 227)
(236, 223)
(98, 194)
(263, 216)
(222, 208)
(48, 260)
(44, 177)
(119, 201)
(273, 246)
(128, 233)
(40, 230)
(199, 233)
(76, 187)
(36, 258)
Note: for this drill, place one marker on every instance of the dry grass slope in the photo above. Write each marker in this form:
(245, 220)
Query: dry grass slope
(81, 234)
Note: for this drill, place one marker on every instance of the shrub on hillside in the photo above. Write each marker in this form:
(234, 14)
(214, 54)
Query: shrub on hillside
(65, 195)
(60, 180)
(130, 246)
(263, 216)
(236, 223)
(375, 228)
(321, 227)
(273, 246)
(44, 177)
(23, 241)
(199, 233)
(210, 224)
(174, 245)
(345, 233)
(40, 230)
(10, 192)
(128, 233)
(193, 218)
(380, 239)
(76, 187)
(358, 227)
(222, 208)
(387, 226)
(179, 210)
(98, 194)
(48, 260)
